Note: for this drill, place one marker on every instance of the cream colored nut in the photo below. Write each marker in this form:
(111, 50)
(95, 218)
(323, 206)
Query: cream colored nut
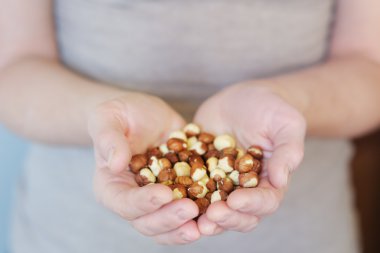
(191, 142)
(240, 153)
(212, 163)
(204, 179)
(218, 195)
(217, 174)
(179, 135)
(192, 129)
(224, 141)
(164, 148)
(154, 166)
(179, 191)
(248, 180)
(197, 190)
(199, 147)
(226, 163)
(182, 169)
(234, 176)
(145, 177)
(226, 185)
(197, 172)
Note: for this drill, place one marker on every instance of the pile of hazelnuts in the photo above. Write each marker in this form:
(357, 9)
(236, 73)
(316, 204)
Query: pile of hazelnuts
(199, 166)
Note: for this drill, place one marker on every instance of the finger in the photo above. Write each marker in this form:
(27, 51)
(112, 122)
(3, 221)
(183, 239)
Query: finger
(230, 219)
(167, 218)
(207, 227)
(260, 201)
(187, 233)
(123, 196)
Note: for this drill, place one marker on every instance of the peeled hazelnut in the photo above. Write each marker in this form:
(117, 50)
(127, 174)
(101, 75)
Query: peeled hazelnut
(206, 137)
(248, 180)
(197, 172)
(240, 153)
(144, 177)
(211, 153)
(164, 163)
(224, 141)
(138, 162)
(256, 152)
(184, 180)
(197, 190)
(217, 174)
(191, 141)
(245, 163)
(177, 145)
(218, 195)
(202, 204)
(229, 151)
(212, 163)
(166, 175)
(172, 157)
(191, 129)
(164, 149)
(199, 147)
(226, 163)
(234, 176)
(226, 185)
(184, 155)
(154, 152)
(178, 135)
(179, 191)
(196, 159)
(182, 169)
(154, 165)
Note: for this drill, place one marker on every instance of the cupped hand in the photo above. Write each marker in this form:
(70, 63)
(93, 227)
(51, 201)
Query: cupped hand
(255, 115)
(124, 126)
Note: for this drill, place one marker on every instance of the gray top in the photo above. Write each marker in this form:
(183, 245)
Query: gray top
(185, 51)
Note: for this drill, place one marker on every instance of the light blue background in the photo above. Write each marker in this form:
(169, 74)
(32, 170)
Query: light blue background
(12, 153)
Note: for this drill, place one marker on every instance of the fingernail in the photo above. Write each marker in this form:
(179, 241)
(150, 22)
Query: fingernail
(110, 155)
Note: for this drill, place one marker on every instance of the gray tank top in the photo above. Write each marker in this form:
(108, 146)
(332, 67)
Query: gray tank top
(184, 51)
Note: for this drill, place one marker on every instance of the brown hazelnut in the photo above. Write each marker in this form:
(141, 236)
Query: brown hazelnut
(206, 137)
(217, 174)
(197, 190)
(202, 204)
(179, 191)
(175, 144)
(211, 153)
(184, 180)
(166, 175)
(244, 164)
(212, 163)
(164, 163)
(196, 159)
(229, 151)
(198, 147)
(197, 172)
(211, 146)
(184, 155)
(256, 152)
(211, 185)
(248, 180)
(208, 196)
(154, 165)
(172, 157)
(226, 163)
(138, 162)
(192, 129)
(218, 195)
(154, 152)
(226, 185)
(144, 177)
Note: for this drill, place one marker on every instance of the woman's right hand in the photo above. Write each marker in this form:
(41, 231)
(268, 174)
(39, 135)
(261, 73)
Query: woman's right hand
(128, 125)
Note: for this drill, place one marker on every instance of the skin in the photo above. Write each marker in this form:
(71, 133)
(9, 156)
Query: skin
(34, 86)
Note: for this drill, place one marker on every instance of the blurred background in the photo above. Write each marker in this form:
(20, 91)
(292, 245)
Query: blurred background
(365, 177)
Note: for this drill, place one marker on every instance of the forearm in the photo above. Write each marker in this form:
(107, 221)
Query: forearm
(340, 98)
(42, 100)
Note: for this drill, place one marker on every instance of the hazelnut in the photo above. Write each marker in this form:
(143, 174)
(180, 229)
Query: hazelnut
(177, 145)
(226, 185)
(191, 141)
(211, 153)
(202, 204)
(138, 162)
(229, 151)
(212, 163)
(224, 141)
(192, 130)
(240, 153)
(197, 172)
(179, 191)
(184, 180)
(244, 164)
(197, 190)
(164, 163)
(226, 163)
(256, 152)
(206, 137)
(172, 157)
(164, 149)
(218, 195)
(144, 177)
(248, 180)
(217, 174)
(234, 176)
(154, 165)
(211, 146)
(184, 155)
(199, 147)
(182, 169)
(211, 185)
(208, 196)
(196, 159)
(154, 152)
(166, 175)
(178, 135)
(167, 183)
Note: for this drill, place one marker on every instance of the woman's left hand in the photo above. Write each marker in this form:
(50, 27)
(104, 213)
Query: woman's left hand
(255, 115)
